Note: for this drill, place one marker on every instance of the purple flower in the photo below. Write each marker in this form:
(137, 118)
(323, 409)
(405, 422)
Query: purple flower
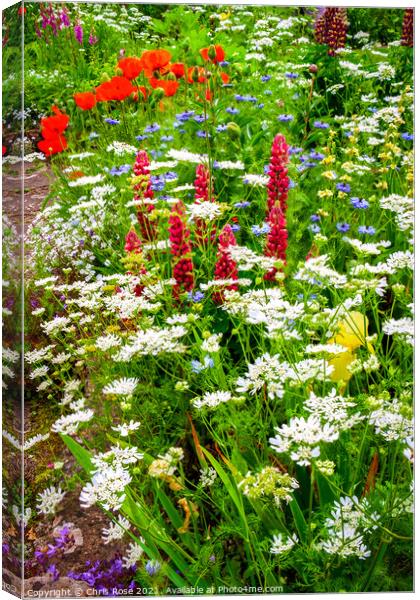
(342, 227)
(152, 128)
(292, 75)
(152, 567)
(92, 39)
(343, 187)
(235, 227)
(315, 218)
(260, 229)
(359, 203)
(265, 78)
(202, 134)
(78, 33)
(314, 228)
(407, 136)
(321, 125)
(196, 296)
(54, 572)
(65, 19)
(285, 118)
(232, 111)
(221, 127)
(367, 230)
(243, 204)
(167, 138)
(111, 121)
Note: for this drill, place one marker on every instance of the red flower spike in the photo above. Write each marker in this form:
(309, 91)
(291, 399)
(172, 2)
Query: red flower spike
(278, 184)
(179, 237)
(331, 28)
(143, 191)
(407, 28)
(276, 239)
(225, 267)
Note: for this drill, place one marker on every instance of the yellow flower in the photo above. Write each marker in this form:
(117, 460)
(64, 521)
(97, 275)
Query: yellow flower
(325, 194)
(352, 333)
(329, 175)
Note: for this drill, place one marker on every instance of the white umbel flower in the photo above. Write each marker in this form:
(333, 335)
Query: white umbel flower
(49, 499)
(282, 543)
(122, 387)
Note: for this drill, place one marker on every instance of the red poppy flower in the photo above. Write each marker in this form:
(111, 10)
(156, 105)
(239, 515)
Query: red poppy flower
(178, 69)
(168, 86)
(131, 67)
(225, 77)
(201, 74)
(51, 126)
(53, 145)
(118, 88)
(220, 54)
(85, 100)
(155, 60)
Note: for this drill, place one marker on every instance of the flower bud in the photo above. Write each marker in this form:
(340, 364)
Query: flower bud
(233, 130)
(212, 52)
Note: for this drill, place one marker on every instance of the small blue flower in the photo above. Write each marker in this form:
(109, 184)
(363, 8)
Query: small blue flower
(185, 116)
(294, 150)
(167, 138)
(140, 138)
(221, 127)
(261, 105)
(200, 118)
(202, 134)
(152, 128)
(315, 228)
(260, 229)
(367, 230)
(243, 204)
(224, 63)
(232, 111)
(407, 136)
(292, 75)
(235, 227)
(268, 92)
(196, 296)
(153, 567)
(316, 155)
(359, 203)
(93, 135)
(111, 121)
(321, 125)
(197, 366)
(342, 227)
(285, 118)
(315, 218)
(265, 78)
(343, 187)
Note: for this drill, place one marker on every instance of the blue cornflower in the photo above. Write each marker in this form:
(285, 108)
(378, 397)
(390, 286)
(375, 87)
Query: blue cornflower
(342, 227)
(232, 111)
(202, 134)
(243, 204)
(235, 227)
(321, 125)
(265, 78)
(315, 218)
(268, 92)
(295, 150)
(359, 203)
(316, 155)
(221, 127)
(224, 63)
(260, 229)
(343, 187)
(241, 98)
(111, 121)
(315, 228)
(185, 116)
(291, 185)
(170, 176)
(158, 182)
(261, 105)
(367, 230)
(285, 118)
(152, 128)
(197, 366)
(407, 136)
(200, 118)
(119, 170)
(167, 138)
(152, 567)
(266, 169)
(196, 296)
(140, 138)
(292, 75)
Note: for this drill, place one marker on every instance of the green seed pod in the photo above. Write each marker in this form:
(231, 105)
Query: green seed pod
(233, 130)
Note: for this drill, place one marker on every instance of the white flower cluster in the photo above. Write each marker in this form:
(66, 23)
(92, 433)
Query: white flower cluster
(152, 342)
(115, 531)
(49, 499)
(349, 520)
(402, 328)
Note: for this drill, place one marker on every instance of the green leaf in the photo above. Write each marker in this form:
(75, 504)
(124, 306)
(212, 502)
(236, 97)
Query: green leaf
(299, 519)
(79, 452)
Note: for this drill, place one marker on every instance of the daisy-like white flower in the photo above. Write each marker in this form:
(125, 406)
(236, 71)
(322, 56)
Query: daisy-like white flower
(212, 399)
(115, 531)
(282, 543)
(126, 428)
(49, 499)
(121, 387)
(134, 553)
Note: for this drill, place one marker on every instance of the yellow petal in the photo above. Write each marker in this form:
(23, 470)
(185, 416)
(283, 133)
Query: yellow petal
(340, 362)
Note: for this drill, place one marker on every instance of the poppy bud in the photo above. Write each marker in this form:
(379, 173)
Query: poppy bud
(119, 72)
(212, 52)
(233, 130)
(313, 69)
(195, 75)
(158, 93)
(171, 76)
(104, 78)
